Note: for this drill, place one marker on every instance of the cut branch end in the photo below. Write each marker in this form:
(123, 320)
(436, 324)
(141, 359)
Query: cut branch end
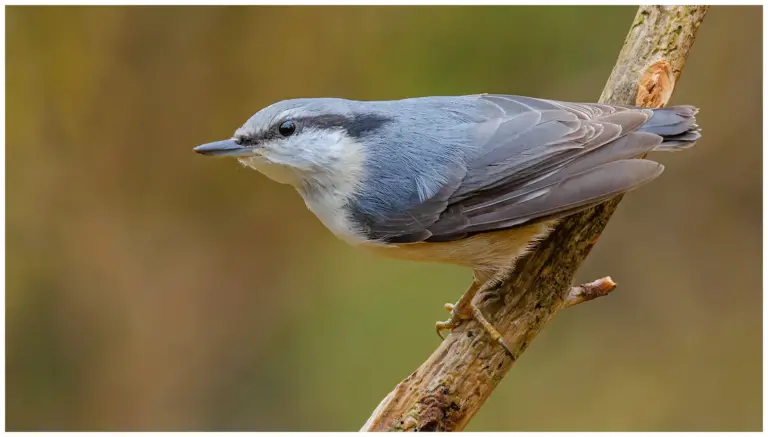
(589, 291)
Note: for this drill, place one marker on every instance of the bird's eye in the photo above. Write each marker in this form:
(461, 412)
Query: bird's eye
(287, 128)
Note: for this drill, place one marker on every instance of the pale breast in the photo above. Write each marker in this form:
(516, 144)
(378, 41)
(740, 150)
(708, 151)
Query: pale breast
(330, 210)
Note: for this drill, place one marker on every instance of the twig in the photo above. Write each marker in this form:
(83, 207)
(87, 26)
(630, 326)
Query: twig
(587, 292)
(445, 392)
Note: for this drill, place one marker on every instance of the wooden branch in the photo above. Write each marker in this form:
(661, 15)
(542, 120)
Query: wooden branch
(587, 292)
(448, 389)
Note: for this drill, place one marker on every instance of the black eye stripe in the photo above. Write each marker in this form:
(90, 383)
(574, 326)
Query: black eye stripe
(245, 141)
(356, 126)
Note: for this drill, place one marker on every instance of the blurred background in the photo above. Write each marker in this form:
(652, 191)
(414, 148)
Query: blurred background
(150, 288)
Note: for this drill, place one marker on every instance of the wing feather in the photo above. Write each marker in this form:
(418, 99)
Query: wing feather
(535, 160)
(554, 168)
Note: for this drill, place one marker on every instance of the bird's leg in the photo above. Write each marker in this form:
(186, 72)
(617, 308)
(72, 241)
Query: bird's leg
(465, 309)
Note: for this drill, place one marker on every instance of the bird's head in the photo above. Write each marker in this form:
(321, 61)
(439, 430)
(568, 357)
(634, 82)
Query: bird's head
(300, 140)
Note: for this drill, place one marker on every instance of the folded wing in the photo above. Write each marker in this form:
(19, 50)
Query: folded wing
(539, 159)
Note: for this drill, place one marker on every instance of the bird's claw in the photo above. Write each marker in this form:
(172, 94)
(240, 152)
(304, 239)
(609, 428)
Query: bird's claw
(490, 329)
(454, 321)
(457, 319)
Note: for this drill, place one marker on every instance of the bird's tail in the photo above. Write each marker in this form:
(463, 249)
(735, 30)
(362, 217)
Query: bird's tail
(677, 125)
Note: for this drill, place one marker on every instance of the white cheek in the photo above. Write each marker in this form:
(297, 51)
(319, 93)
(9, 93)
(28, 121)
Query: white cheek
(330, 163)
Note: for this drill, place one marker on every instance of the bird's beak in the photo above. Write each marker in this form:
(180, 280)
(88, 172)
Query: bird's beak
(223, 148)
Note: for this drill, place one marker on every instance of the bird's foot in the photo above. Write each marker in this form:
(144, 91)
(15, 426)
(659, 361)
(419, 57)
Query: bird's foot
(456, 319)
(460, 315)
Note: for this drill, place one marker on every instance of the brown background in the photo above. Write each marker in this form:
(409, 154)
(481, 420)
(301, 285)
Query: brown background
(149, 288)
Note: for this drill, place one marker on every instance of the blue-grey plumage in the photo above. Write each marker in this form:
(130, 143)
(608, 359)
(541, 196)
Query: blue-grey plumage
(443, 168)
(469, 180)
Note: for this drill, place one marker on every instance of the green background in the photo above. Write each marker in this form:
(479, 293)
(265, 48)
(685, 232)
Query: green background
(149, 288)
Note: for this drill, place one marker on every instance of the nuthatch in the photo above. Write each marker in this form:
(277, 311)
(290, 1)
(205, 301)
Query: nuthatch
(468, 180)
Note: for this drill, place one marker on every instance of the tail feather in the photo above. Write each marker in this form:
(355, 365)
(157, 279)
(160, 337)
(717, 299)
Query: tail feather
(677, 125)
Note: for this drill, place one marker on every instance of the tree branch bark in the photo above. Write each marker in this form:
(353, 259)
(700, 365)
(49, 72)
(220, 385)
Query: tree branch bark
(445, 392)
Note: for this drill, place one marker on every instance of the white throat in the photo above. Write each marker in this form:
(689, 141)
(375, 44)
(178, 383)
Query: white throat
(283, 174)
(327, 171)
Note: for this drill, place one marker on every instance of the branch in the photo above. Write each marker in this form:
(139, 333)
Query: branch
(587, 292)
(448, 389)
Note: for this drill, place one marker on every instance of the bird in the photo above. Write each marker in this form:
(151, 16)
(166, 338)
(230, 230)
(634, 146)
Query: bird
(472, 180)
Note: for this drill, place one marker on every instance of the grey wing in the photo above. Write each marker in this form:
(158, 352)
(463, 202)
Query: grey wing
(410, 225)
(544, 160)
